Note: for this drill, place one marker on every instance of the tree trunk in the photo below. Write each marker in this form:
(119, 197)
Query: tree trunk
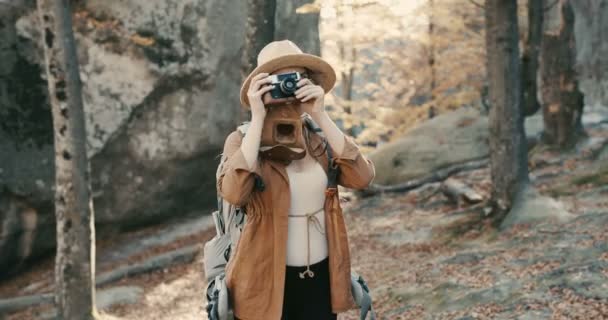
(260, 31)
(530, 57)
(508, 157)
(75, 260)
(433, 80)
(302, 29)
(348, 77)
(562, 100)
(348, 67)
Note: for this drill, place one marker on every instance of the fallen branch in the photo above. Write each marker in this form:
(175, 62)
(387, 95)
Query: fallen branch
(595, 149)
(183, 255)
(439, 175)
(14, 304)
(478, 5)
(481, 207)
(457, 191)
(169, 234)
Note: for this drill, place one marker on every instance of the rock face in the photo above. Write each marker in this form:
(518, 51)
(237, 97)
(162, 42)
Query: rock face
(159, 83)
(591, 26)
(448, 139)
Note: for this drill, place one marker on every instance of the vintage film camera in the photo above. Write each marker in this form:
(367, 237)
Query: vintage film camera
(282, 131)
(285, 86)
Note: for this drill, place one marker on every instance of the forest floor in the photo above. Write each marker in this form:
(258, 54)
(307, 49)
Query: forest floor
(423, 256)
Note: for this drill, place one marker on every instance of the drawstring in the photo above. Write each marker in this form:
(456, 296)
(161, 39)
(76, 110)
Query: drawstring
(310, 217)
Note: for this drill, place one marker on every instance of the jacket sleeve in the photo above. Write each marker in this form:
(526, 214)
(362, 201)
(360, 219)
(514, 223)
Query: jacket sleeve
(356, 170)
(236, 179)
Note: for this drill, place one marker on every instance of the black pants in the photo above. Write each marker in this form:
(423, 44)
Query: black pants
(308, 298)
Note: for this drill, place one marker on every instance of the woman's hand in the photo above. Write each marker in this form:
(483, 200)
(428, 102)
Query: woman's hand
(312, 96)
(257, 88)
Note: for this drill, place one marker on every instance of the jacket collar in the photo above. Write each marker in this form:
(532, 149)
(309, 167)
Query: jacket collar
(315, 147)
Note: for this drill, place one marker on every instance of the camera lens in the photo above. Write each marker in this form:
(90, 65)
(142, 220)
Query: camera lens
(288, 86)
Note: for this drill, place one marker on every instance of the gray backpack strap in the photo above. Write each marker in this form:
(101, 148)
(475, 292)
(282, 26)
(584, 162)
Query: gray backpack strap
(361, 295)
(229, 220)
(243, 127)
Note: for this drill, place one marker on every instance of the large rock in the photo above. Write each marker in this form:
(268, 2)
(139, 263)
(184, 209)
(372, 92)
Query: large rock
(451, 138)
(159, 87)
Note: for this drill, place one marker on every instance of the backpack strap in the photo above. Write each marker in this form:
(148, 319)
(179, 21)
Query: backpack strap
(243, 127)
(259, 183)
(221, 205)
(332, 168)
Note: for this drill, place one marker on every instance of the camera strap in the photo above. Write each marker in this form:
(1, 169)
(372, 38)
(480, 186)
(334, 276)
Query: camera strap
(332, 170)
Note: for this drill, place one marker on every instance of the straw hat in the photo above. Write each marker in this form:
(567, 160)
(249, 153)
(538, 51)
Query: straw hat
(282, 54)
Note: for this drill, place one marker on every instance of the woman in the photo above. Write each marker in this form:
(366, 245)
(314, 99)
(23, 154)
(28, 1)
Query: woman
(292, 259)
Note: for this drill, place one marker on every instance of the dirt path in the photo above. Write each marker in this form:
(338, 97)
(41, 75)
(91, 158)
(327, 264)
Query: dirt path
(421, 263)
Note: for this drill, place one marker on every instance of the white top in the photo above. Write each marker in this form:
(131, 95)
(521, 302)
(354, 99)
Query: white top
(307, 188)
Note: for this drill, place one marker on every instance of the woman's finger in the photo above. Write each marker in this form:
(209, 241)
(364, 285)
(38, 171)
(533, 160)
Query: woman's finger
(306, 91)
(309, 97)
(259, 76)
(303, 82)
(259, 83)
(264, 90)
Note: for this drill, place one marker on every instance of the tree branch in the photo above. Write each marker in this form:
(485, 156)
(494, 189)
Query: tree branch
(439, 175)
(549, 7)
(478, 5)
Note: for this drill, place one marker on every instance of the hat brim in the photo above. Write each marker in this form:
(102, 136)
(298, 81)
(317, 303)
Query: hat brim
(322, 73)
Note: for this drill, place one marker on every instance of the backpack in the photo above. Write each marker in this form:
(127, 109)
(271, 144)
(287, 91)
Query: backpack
(229, 221)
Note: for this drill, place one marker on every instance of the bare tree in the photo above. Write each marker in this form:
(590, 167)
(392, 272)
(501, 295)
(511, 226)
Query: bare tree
(431, 49)
(530, 57)
(75, 260)
(508, 150)
(349, 61)
(562, 100)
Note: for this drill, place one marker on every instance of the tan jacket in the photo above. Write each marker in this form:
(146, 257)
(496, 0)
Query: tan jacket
(255, 274)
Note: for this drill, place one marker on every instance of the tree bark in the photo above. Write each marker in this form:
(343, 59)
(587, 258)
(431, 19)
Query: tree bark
(260, 31)
(348, 70)
(348, 77)
(75, 260)
(433, 80)
(562, 100)
(530, 57)
(302, 29)
(508, 157)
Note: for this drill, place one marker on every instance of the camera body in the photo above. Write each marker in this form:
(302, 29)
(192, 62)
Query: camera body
(282, 137)
(285, 88)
